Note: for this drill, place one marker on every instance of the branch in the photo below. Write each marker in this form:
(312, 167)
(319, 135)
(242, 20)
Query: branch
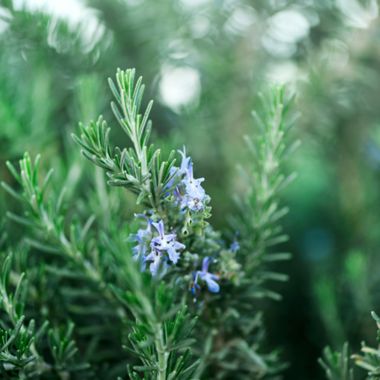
(140, 169)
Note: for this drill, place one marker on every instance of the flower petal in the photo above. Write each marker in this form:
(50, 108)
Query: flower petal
(205, 264)
(173, 255)
(212, 285)
(159, 227)
(155, 265)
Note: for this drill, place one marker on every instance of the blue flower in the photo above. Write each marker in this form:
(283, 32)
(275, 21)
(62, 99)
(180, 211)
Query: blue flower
(186, 162)
(235, 246)
(189, 192)
(155, 258)
(176, 172)
(195, 196)
(207, 277)
(143, 236)
(161, 244)
(153, 248)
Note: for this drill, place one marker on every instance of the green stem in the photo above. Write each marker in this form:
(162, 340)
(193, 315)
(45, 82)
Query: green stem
(162, 354)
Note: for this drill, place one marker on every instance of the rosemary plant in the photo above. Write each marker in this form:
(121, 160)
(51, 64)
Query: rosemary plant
(156, 295)
(338, 365)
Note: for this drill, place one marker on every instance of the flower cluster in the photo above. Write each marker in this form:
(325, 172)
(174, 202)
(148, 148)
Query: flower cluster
(156, 247)
(189, 193)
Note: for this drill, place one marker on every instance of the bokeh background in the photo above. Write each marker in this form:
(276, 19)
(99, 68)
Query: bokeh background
(204, 62)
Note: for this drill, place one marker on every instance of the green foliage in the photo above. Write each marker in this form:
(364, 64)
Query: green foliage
(238, 350)
(24, 346)
(126, 322)
(337, 364)
(161, 327)
(369, 359)
(51, 76)
(260, 210)
(139, 168)
(165, 325)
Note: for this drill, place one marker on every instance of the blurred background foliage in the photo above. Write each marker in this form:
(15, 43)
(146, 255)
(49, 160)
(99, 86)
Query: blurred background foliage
(204, 62)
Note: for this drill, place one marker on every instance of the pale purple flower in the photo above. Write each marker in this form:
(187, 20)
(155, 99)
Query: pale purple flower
(235, 246)
(207, 277)
(186, 162)
(153, 248)
(155, 258)
(179, 171)
(163, 247)
(143, 236)
(166, 243)
(189, 192)
(195, 196)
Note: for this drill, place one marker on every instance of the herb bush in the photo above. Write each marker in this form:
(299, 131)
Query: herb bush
(159, 294)
(102, 283)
